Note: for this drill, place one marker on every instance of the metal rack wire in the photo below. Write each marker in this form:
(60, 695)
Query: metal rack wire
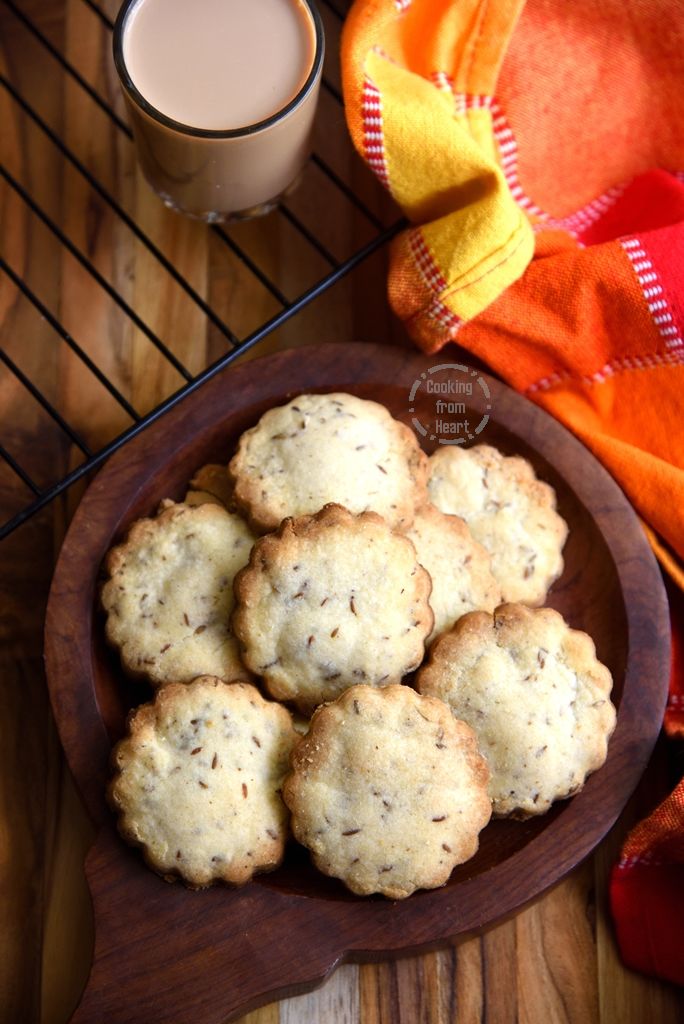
(233, 244)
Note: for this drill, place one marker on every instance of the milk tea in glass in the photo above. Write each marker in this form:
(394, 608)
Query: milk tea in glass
(221, 96)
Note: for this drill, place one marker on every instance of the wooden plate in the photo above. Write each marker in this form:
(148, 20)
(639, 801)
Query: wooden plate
(165, 954)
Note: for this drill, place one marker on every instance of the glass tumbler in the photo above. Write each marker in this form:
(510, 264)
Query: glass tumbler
(222, 175)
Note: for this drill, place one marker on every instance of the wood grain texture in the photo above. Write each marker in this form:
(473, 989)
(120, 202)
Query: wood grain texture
(67, 912)
(45, 912)
(336, 1001)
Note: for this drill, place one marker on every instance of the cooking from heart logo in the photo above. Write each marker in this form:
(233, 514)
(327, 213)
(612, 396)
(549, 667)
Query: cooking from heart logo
(450, 403)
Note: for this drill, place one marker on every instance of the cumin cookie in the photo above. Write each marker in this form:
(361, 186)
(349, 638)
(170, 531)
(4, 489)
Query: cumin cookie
(169, 594)
(197, 781)
(511, 513)
(210, 484)
(535, 694)
(319, 449)
(388, 791)
(332, 600)
(460, 568)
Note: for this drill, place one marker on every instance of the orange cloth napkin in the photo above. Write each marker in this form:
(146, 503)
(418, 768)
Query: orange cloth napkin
(537, 150)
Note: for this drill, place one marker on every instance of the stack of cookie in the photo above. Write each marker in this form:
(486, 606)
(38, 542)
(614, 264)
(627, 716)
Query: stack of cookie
(321, 566)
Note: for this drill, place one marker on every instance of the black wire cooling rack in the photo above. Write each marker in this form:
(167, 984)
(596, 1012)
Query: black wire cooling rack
(34, 118)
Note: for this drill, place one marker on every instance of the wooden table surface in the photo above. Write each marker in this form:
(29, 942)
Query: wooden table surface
(556, 961)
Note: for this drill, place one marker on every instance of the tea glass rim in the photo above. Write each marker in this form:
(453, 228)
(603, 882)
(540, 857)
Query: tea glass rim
(216, 133)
